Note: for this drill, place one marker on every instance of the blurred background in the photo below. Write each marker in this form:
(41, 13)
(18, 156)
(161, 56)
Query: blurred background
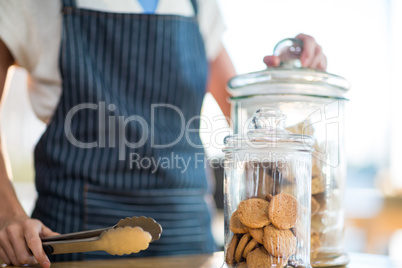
(362, 41)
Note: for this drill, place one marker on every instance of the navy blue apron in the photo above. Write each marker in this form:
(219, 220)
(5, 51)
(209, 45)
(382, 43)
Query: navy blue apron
(131, 84)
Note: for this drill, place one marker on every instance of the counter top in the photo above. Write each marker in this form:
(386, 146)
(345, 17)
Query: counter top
(358, 260)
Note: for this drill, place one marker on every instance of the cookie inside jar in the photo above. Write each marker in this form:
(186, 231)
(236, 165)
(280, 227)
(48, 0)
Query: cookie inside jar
(268, 196)
(327, 188)
(269, 226)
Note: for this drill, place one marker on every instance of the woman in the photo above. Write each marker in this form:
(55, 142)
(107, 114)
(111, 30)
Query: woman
(120, 86)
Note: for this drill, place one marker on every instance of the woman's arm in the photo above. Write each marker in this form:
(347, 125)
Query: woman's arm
(19, 234)
(221, 70)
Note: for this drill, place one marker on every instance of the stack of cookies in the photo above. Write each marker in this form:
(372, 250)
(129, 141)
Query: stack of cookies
(263, 232)
(325, 198)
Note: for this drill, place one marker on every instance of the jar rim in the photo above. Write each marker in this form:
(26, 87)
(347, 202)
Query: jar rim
(287, 94)
(269, 132)
(264, 141)
(288, 81)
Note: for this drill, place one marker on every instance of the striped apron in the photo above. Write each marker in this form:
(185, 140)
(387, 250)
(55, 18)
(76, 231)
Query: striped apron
(131, 84)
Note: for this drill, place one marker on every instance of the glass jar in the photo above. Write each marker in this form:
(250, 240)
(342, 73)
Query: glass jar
(267, 193)
(314, 104)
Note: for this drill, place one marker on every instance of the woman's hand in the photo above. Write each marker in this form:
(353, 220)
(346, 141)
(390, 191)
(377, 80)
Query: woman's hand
(311, 56)
(20, 241)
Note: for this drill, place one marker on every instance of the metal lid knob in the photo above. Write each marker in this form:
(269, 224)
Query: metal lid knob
(289, 50)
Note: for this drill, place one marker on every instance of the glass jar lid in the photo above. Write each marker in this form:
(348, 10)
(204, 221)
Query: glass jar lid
(269, 132)
(289, 78)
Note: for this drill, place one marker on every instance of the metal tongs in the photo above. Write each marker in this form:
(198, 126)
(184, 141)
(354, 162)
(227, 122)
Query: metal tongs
(94, 240)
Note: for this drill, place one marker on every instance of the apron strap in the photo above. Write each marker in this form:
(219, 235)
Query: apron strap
(195, 6)
(69, 3)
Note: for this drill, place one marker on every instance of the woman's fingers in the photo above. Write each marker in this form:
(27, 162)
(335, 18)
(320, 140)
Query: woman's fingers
(317, 58)
(309, 47)
(312, 55)
(7, 247)
(20, 242)
(16, 237)
(323, 63)
(3, 257)
(271, 61)
(45, 232)
(31, 233)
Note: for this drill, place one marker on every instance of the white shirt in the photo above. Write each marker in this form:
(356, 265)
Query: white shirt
(31, 29)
